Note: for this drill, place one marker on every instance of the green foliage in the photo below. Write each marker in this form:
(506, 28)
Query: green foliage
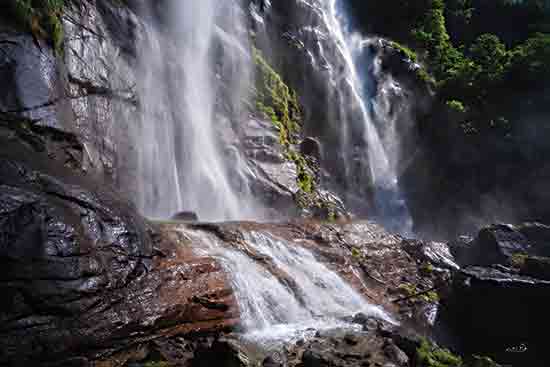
(429, 355)
(278, 103)
(275, 99)
(407, 52)
(456, 106)
(413, 292)
(40, 17)
(530, 61)
(518, 260)
(491, 56)
(427, 268)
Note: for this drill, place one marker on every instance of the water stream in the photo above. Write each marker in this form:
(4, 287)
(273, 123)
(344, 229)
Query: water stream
(189, 57)
(282, 289)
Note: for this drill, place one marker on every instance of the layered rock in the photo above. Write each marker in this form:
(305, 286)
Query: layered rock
(84, 275)
(497, 303)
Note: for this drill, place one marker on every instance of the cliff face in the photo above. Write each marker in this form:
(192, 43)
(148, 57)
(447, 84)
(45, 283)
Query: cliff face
(89, 282)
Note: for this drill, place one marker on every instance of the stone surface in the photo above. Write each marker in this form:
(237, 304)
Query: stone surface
(494, 312)
(84, 275)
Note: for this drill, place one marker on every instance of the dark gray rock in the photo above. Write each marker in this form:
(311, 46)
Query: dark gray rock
(491, 311)
(496, 244)
(311, 147)
(186, 216)
(80, 279)
(536, 267)
(436, 253)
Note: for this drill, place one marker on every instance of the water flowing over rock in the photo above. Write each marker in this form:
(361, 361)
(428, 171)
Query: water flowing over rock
(211, 113)
(357, 124)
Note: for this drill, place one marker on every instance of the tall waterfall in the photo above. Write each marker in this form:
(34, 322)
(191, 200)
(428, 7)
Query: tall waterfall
(379, 123)
(196, 73)
(197, 51)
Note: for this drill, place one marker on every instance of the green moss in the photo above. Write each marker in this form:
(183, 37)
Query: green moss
(409, 288)
(429, 355)
(407, 52)
(42, 18)
(427, 268)
(275, 100)
(278, 103)
(518, 260)
(456, 106)
(412, 291)
(425, 77)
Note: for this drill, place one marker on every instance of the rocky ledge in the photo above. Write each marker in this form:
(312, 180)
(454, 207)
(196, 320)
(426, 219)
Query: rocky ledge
(88, 282)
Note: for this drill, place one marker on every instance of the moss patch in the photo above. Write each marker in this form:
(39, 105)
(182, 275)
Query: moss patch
(405, 51)
(42, 18)
(412, 291)
(278, 103)
(518, 260)
(429, 355)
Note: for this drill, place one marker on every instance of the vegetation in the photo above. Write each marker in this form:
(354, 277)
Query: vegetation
(40, 17)
(477, 51)
(278, 103)
(488, 64)
(429, 355)
(413, 292)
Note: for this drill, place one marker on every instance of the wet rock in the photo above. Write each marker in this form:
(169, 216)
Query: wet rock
(436, 253)
(493, 245)
(539, 236)
(186, 216)
(503, 243)
(81, 279)
(396, 355)
(492, 310)
(311, 147)
(536, 267)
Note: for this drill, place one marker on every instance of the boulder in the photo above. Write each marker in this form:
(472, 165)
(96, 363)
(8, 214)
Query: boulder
(186, 216)
(536, 267)
(494, 312)
(496, 244)
(311, 147)
(84, 275)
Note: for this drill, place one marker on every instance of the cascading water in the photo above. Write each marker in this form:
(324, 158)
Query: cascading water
(288, 291)
(378, 123)
(192, 55)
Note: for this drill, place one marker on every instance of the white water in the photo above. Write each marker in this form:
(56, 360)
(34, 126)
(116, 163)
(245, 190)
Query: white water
(273, 310)
(383, 154)
(183, 163)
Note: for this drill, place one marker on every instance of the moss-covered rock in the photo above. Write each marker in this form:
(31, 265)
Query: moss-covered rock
(430, 355)
(276, 101)
(43, 18)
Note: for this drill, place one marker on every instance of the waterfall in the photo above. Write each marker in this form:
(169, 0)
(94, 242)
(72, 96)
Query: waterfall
(196, 74)
(281, 288)
(189, 58)
(379, 124)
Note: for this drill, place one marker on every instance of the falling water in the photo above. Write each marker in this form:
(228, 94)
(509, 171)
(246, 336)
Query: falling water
(391, 208)
(293, 293)
(190, 57)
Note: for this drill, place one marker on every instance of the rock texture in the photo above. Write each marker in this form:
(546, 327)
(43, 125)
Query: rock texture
(84, 275)
(498, 302)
